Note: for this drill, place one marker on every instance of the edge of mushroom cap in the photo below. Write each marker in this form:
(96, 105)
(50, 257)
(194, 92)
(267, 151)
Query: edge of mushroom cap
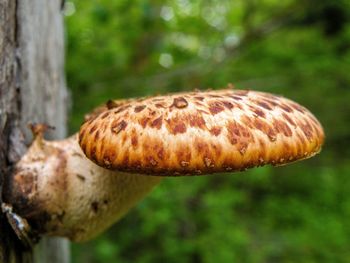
(201, 132)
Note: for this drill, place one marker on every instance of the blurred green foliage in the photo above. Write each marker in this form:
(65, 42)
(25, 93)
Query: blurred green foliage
(300, 49)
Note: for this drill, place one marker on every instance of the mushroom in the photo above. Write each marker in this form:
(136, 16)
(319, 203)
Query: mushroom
(133, 144)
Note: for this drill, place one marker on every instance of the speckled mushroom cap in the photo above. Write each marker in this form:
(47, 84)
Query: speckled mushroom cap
(201, 132)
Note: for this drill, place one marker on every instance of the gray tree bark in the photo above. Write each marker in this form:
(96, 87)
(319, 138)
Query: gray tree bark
(32, 89)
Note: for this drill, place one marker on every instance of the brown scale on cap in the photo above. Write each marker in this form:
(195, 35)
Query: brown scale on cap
(201, 132)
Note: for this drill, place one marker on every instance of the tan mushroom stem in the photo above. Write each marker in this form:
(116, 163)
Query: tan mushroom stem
(62, 193)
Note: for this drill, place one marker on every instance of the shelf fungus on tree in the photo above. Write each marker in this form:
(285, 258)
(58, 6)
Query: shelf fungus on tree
(134, 143)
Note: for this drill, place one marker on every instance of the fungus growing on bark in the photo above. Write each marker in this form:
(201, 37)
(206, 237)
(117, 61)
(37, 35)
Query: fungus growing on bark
(62, 193)
(135, 143)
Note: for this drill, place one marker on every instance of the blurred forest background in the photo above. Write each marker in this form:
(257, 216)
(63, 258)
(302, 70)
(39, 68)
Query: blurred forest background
(300, 49)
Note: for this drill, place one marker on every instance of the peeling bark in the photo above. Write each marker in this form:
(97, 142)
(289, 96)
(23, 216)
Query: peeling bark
(32, 89)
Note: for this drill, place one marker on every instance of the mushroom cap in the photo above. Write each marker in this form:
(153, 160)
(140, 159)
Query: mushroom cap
(201, 132)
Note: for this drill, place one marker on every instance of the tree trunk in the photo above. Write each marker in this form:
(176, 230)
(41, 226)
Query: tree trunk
(32, 89)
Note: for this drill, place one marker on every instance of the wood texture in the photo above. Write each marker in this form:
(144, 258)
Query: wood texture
(8, 113)
(32, 89)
